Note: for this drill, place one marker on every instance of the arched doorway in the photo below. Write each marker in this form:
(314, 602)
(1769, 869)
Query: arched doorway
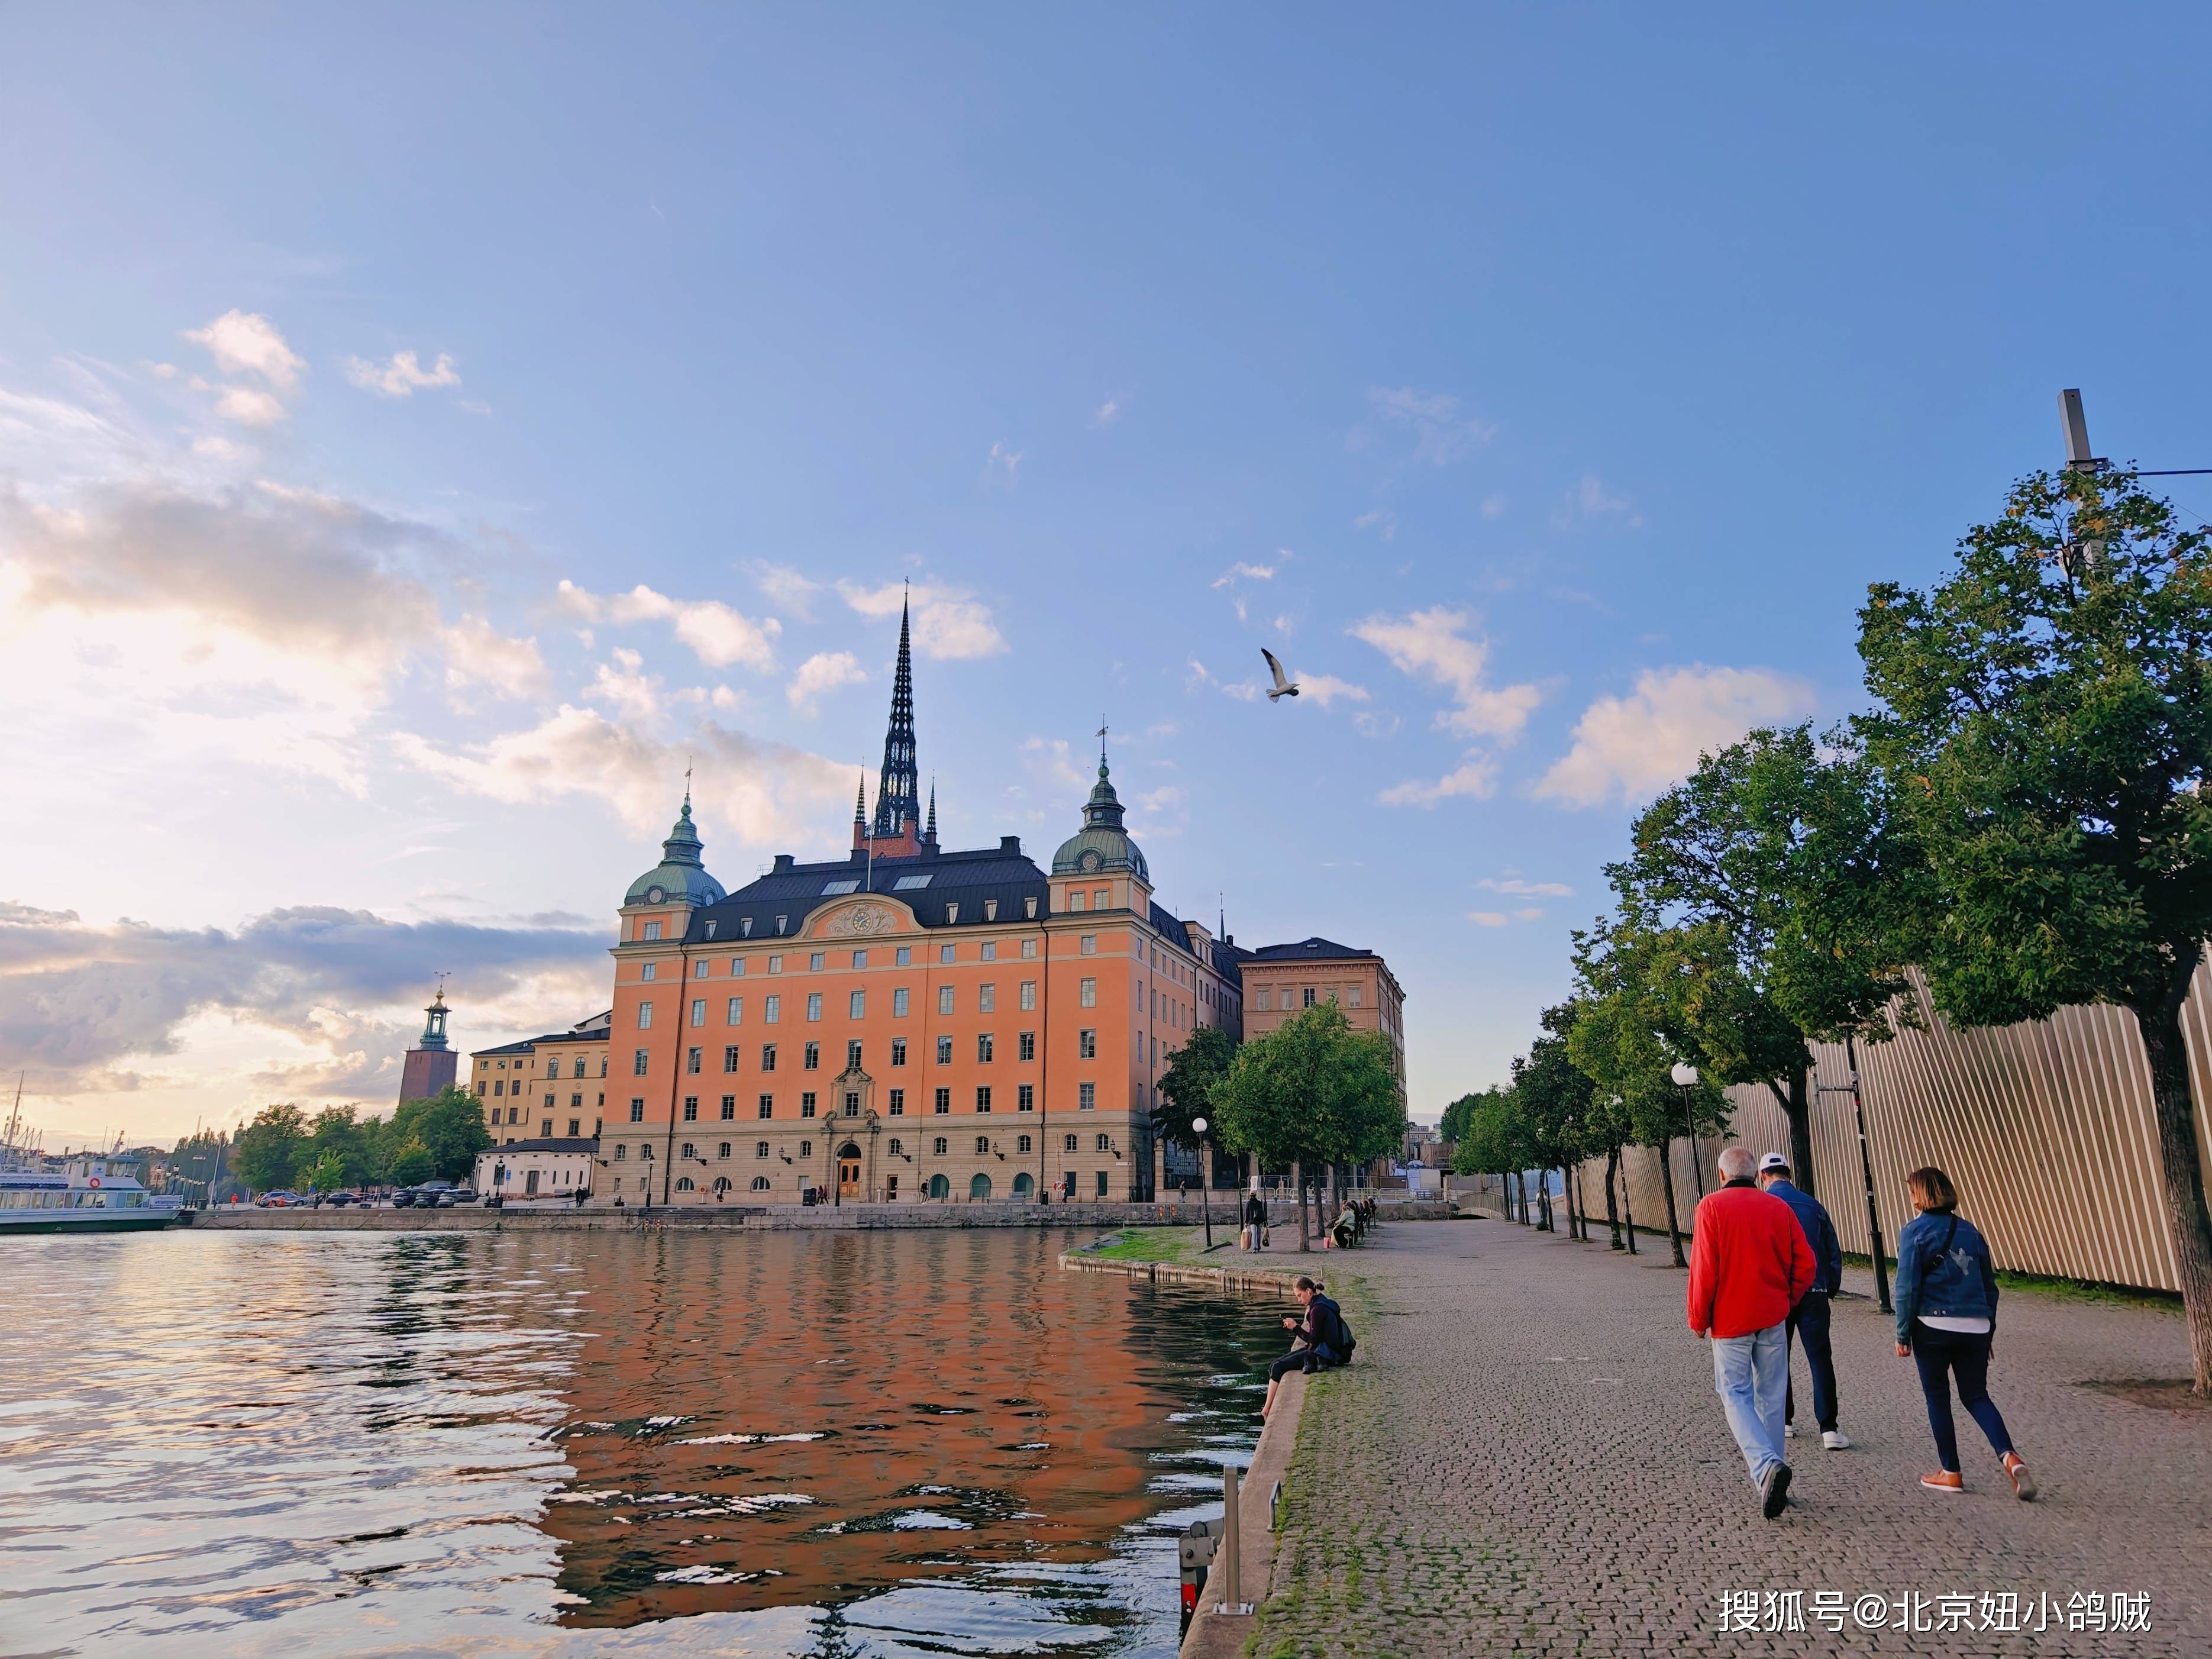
(848, 1173)
(980, 1187)
(1024, 1185)
(940, 1187)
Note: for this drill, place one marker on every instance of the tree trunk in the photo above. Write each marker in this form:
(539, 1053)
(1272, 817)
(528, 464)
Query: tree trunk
(1298, 1175)
(1544, 1202)
(1628, 1209)
(1575, 1225)
(2184, 1169)
(1797, 1108)
(1612, 1197)
(1674, 1222)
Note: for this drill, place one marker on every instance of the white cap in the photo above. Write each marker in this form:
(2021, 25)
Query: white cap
(1772, 1161)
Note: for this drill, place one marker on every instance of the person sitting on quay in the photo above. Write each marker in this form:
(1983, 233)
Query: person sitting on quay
(1319, 1337)
(1344, 1231)
(1749, 1266)
(1946, 1313)
(1809, 1320)
(1255, 1221)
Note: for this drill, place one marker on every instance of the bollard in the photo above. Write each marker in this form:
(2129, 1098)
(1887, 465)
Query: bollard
(1196, 1555)
(1231, 1547)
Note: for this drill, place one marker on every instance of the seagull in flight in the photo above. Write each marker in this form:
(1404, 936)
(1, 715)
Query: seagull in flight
(1284, 687)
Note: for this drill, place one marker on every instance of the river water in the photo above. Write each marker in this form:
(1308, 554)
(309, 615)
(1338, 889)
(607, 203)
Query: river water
(801, 1444)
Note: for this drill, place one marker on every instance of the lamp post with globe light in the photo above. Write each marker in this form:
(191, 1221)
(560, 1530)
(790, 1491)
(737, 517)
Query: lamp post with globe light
(1204, 1177)
(1686, 1078)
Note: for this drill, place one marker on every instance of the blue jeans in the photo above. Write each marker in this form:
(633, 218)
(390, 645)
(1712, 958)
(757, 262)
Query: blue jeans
(1941, 1356)
(1751, 1374)
(1808, 1323)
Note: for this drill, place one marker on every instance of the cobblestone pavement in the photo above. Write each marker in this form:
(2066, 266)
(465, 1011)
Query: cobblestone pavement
(1528, 1457)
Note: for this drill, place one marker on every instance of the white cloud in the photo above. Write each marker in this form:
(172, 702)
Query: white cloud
(249, 405)
(1112, 410)
(246, 342)
(1589, 499)
(1380, 519)
(948, 625)
(1428, 645)
(623, 686)
(478, 655)
(1052, 764)
(823, 672)
(401, 377)
(1500, 919)
(1518, 888)
(1258, 573)
(1631, 747)
(1440, 437)
(717, 634)
(1201, 675)
(787, 587)
(1326, 690)
(1474, 778)
(1001, 467)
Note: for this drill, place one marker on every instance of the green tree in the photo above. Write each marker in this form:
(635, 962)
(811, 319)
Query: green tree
(1779, 872)
(1186, 1088)
(326, 1173)
(337, 1135)
(1492, 1141)
(450, 1126)
(1453, 1129)
(267, 1150)
(2046, 726)
(413, 1164)
(1555, 1097)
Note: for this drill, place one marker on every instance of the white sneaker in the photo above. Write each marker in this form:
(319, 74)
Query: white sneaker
(1835, 1440)
(1789, 1430)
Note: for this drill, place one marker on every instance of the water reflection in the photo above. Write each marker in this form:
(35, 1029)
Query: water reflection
(849, 1444)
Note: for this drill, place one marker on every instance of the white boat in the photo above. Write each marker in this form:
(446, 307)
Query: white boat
(87, 1196)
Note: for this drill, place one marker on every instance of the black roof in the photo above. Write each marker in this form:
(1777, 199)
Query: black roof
(596, 1034)
(557, 1144)
(934, 880)
(1310, 949)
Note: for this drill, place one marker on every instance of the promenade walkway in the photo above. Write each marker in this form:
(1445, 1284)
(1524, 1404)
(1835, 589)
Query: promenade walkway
(1529, 1459)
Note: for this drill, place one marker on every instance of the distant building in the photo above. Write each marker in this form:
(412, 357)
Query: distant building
(1281, 979)
(542, 1167)
(544, 1088)
(431, 1062)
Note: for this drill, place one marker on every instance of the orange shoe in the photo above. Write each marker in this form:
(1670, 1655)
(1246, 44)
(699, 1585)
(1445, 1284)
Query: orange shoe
(2023, 1483)
(1944, 1480)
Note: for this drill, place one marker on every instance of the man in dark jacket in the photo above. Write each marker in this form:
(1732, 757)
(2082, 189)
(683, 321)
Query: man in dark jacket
(1809, 1320)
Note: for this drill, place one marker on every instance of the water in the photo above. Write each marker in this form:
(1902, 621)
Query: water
(813, 1443)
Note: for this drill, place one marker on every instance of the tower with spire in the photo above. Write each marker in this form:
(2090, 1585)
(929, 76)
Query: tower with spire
(896, 826)
(431, 1065)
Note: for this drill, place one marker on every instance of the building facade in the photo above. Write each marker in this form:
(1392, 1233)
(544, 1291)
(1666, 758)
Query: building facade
(1281, 979)
(555, 1168)
(545, 1088)
(428, 1069)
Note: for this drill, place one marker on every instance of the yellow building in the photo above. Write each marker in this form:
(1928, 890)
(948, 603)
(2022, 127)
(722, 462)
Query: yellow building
(548, 1087)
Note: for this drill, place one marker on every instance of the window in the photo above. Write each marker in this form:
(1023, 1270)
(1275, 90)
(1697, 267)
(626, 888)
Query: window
(1075, 898)
(904, 958)
(945, 1051)
(807, 1148)
(898, 1108)
(768, 1106)
(725, 1152)
(942, 1102)
(859, 958)
(983, 1098)
(1266, 998)
(898, 1147)
(689, 1150)
(1025, 1098)
(951, 915)
(909, 884)
(575, 1127)
(856, 1006)
(944, 953)
(1306, 1000)
(831, 890)
(480, 1088)
(735, 1013)
(937, 1146)
(983, 1144)
(1102, 1183)
(1023, 1145)
(737, 966)
(811, 1061)
(1352, 996)
(1029, 945)
(621, 1152)
(653, 929)
(814, 1005)
(1028, 996)
(730, 1058)
(1070, 1144)
(690, 1110)
(651, 970)
(691, 1062)
(775, 964)
(898, 1051)
(760, 1149)
(852, 1105)
(898, 1003)
(987, 998)
(1027, 1045)
(760, 1182)
(698, 1010)
(852, 1056)
(644, 1015)
(1086, 1097)
(807, 1103)
(729, 1107)
(1100, 898)
(637, 1111)
(1087, 994)
(816, 961)
(767, 1056)
(984, 1047)
(990, 946)
(772, 1010)
(710, 934)
(1105, 1143)
(499, 1085)
(1087, 1044)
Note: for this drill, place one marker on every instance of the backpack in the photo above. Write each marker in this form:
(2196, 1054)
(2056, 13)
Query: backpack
(1341, 1339)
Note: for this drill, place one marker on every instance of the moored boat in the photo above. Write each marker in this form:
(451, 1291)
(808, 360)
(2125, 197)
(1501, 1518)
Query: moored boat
(87, 1196)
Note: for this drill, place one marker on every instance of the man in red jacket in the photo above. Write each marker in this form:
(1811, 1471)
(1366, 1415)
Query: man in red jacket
(1749, 1264)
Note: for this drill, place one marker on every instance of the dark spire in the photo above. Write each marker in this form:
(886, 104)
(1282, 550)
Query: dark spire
(896, 795)
(860, 798)
(929, 835)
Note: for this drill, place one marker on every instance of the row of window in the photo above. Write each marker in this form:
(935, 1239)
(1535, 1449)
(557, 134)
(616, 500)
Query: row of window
(900, 957)
(552, 1069)
(939, 1146)
(1264, 996)
(856, 1004)
(987, 1049)
(1086, 1100)
(979, 1187)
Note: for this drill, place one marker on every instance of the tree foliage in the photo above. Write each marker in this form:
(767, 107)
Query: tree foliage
(1187, 1087)
(449, 1126)
(1312, 1091)
(266, 1154)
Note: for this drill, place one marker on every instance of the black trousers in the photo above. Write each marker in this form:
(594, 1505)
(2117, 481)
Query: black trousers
(1302, 1359)
(1808, 1323)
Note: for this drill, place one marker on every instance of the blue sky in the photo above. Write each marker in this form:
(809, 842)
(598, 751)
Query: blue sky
(1568, 372)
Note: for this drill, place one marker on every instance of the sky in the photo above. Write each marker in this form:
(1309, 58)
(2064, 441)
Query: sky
(426, 430)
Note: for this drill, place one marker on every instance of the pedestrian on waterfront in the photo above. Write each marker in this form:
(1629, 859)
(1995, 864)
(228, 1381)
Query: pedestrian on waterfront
(1749, 1266)
(1946, 1316)
(1809, 1320)
(1319, 1337)
(1255, 1221)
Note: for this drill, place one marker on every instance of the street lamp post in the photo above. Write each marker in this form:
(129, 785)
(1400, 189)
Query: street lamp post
(1686, 1078)
(1205, 1177)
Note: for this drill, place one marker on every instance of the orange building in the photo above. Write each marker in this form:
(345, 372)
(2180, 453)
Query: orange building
(904, 1025)
(1281, 979)
(547, 1087)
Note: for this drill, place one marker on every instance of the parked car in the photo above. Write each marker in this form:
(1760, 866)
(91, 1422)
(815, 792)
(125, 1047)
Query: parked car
(404, 1199)
(339, 1200)
(279, 1199)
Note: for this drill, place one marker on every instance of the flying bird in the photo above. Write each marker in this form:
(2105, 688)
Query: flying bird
(1284, 687)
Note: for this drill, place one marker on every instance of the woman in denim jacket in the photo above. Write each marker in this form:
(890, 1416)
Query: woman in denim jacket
(1947, 1309)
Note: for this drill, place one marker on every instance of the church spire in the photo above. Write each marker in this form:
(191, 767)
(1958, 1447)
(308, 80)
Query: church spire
(895, 795)
(929, 836)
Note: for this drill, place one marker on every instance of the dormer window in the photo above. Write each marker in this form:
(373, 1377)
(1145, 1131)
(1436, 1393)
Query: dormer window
(710, 930)
(1029, 908)
(782, 923)
(990, 909)
(652, 930)
(1075, 898)
(952, 914)
(745, 928)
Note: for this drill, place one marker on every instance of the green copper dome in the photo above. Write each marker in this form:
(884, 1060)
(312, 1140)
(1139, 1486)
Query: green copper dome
(681, 876)
(1101, 844)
